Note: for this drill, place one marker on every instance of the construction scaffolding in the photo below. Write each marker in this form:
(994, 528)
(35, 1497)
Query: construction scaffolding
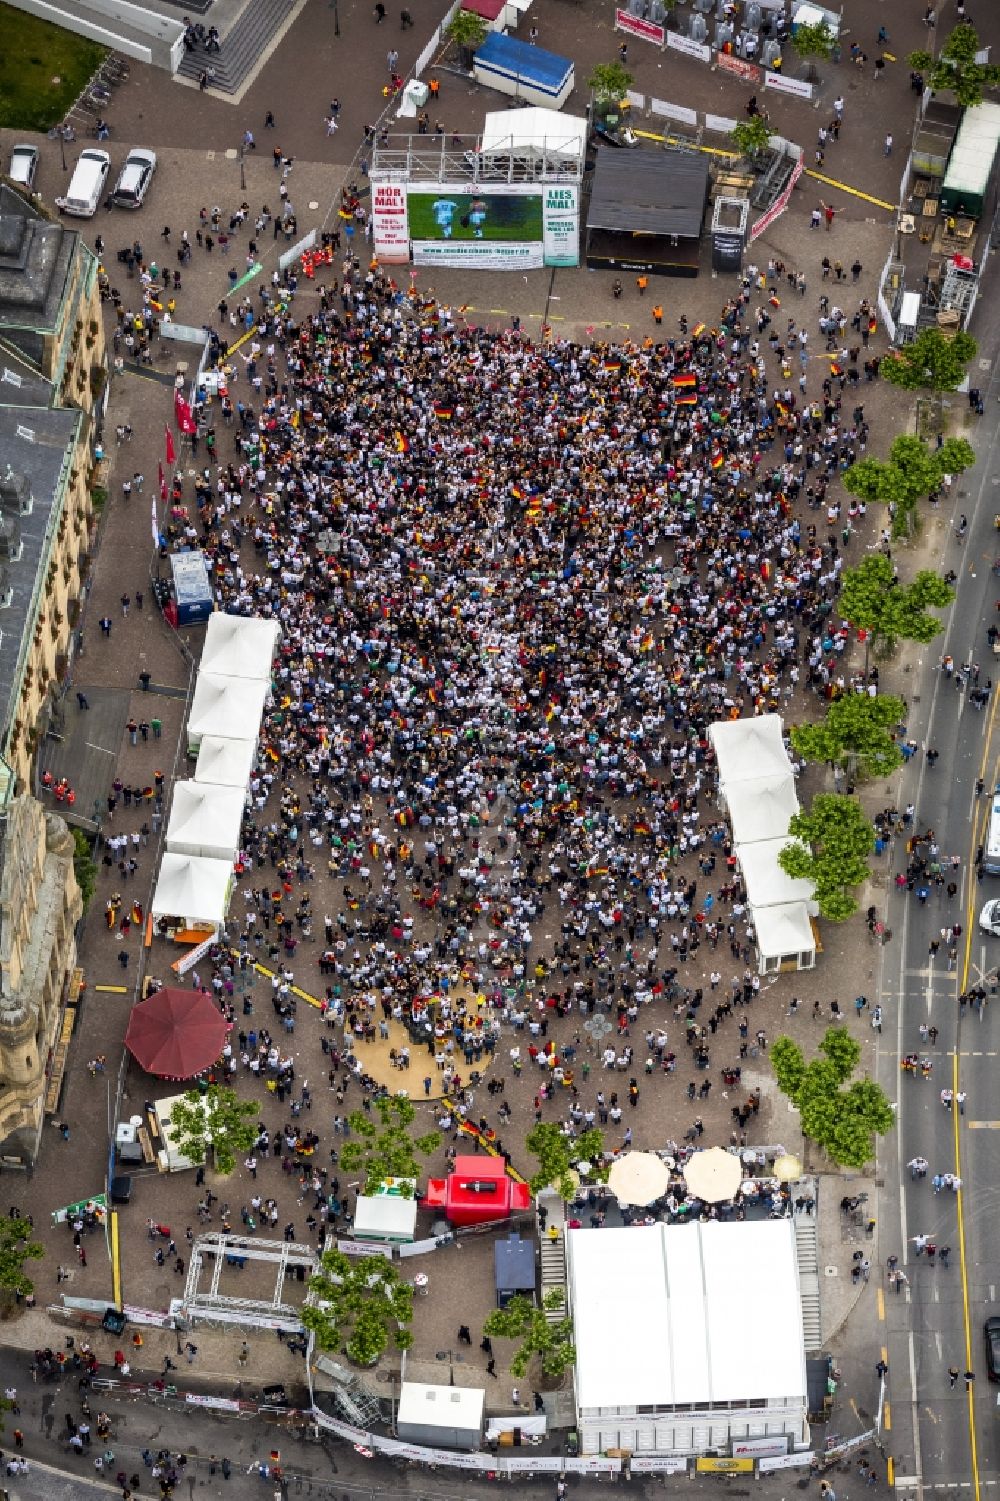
(208, 1305)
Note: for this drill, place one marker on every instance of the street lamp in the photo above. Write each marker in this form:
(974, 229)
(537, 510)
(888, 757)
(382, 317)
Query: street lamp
(62, 145)
(243, 175)
(336, 16)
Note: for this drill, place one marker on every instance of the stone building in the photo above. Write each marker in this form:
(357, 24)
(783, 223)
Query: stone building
(53, 388)
(40, 906)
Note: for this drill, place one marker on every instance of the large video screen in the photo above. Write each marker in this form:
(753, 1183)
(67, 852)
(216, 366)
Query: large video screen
(474, 216)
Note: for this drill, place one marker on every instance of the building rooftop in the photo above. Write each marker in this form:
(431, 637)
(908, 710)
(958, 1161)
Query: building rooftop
(35, 259)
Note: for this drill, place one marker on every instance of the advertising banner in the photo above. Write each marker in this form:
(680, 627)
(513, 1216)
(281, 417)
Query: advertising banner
(561, 226)
(658, 1465)
(478, 257)
(778, 207)
(685, 44)
(783, 85)
(720, 1466)
(738, 66)
(390, 233)
(744, 1448)
(649, 31)
(787, 1462)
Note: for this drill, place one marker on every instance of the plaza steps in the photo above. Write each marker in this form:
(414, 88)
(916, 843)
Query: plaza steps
(242, 47)
(807, 1256)
(553, 1252)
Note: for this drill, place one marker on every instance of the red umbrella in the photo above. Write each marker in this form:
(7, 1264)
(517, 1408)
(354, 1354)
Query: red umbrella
(176, 1033)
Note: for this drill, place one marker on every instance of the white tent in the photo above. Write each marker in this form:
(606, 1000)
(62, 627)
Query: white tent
(762, 808)
(221, 705)
(533, 133)
(225, 762)
(746, 748)
(785, 937)
(767, 884)
(193, 889)
(240, 646)
(205, 820)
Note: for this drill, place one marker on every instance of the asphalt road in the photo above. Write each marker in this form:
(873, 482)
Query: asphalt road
(942, 1437)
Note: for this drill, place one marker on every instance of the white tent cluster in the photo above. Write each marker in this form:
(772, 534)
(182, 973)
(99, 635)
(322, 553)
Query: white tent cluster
(757, 789)
(206, 814)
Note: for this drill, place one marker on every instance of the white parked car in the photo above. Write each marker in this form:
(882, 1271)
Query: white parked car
(134, 178)
(989, 919)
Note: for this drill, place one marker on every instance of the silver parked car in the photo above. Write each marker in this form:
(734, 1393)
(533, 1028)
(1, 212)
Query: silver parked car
(134, 178)
(23, 166)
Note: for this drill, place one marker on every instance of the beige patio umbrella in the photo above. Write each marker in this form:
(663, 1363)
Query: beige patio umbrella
(638, 1178)
(713, 1175)
(787, 1167)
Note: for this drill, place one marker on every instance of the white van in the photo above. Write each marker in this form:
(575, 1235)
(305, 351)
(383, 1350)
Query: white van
(89, 176)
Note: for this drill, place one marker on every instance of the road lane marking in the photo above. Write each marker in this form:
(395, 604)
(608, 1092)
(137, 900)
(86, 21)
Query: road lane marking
(880, 1303)
(984, 1125)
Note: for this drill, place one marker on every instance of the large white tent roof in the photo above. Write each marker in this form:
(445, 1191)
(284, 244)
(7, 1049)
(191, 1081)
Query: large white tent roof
(748, 748)
(222, 704)
(767, 884)
(205, 820)
(761, 808)
(662, 1312)
(192, 888)
(533, 130)
(225, 761)
(783, 930)
(240, 646)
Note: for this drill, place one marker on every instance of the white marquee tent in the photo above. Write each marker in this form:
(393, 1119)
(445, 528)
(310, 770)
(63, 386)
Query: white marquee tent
(222, 704)
(533, 133)
(193, 889)
(225, 762)
(240, 646)
(766, 883)
(761, 808)
(785, 937)
(205, 820)
(748, 748)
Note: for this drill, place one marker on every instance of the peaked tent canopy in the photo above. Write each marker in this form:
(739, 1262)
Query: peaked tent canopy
(205, 820)
(766, 883)
(749, 748)
(535, 132)
(240, 646)
(222, 704)
(785, 933)
(193, 889)
(225, 762)
(176, 1034)
(761, 809)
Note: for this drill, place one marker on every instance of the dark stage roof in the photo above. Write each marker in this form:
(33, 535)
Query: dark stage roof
(649, 192)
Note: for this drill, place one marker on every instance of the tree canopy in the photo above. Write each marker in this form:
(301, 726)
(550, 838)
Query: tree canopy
(217, 1118)
(751, 137)
(843, 1121)
(955, 67)
(357, 1305)
(855, 735)
(813, 42)
(557, 1153)
(610, 81)
(16, 1247)
(384, 1149)
(830, 847)
(934, 361)
(873, 600)
(522, 1320)
(467, 30)
(912, 471)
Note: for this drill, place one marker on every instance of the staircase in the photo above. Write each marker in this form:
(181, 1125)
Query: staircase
(553, 1253)
(807, 1256)
(243, 47)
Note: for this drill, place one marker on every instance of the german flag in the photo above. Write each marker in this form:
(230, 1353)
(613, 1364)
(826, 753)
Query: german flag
(517, 493)
(684, 382)
(612, 364)
(782, 409)
(136, 913)
(443, 411)
(698, 330)
(646, 644)
(402, 443)
(640, 827)
(687, 399)
(717, 459)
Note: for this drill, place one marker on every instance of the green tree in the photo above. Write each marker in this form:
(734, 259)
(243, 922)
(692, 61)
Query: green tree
(214, 1118)
(934, 361)
(873, 600)
(812, 42)
(843, 1121)
(751, 137)
(357, 1305)
(522, 1320)
(84, 866)
(16, 1247)
(557, 1154)
(955, 67)
(911, 472)
(830, 847)
(385, 1149)
(468, 31)
(855, 735)
(610, 81)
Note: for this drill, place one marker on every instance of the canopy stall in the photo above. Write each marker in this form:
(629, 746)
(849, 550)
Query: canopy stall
(221, 704)
(746, 749)
(766, 883)
(192, 892)
(536, 134)
(224, 762)
(761, 809)
(786, 939)
(240, 646)
(205, 820)
(176, 1034)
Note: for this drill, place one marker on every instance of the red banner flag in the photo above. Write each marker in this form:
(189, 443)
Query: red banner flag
(171, 454)
(162, 481)
(182, 414)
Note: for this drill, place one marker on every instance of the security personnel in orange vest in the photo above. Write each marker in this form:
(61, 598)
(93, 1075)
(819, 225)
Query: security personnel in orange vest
(657, 314)
(642, 282)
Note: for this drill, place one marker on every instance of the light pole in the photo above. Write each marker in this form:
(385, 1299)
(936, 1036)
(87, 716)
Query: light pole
(243, 174)
(62, 145)
(336, 16)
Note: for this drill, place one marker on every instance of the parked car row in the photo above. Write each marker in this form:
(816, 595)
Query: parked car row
(90, 176)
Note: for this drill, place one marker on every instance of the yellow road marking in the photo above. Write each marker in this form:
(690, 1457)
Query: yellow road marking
(651, 135)
(832, 182)
(116, 1262)
(887, 1416)
(890, 1471)
(880, 1302)
(113, 989)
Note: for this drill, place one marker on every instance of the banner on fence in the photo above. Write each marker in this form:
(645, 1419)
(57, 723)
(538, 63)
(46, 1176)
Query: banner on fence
(786, 1462)
(674, 111)
(720, 123)
(665, 1465)
(738, 66)
(692, 49)
(778, 206)
(647, 31)
(784, 85)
